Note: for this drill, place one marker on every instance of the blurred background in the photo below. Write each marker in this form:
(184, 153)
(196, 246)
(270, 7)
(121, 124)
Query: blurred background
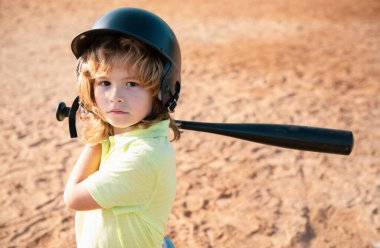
(281, 61)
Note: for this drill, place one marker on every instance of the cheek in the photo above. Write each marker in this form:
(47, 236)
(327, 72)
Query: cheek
(99, 96)
(148, 102)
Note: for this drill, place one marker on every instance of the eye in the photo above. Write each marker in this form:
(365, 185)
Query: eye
(132, 84)
(104, 83)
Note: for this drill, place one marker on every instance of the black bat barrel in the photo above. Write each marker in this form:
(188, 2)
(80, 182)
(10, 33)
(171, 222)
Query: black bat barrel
(306, 138)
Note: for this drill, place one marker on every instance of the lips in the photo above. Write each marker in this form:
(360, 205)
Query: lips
(117, 111)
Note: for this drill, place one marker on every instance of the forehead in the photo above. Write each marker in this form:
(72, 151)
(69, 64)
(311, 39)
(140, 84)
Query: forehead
(116, 65)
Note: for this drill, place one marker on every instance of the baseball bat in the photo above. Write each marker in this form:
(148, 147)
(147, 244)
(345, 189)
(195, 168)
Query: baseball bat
(305, 138)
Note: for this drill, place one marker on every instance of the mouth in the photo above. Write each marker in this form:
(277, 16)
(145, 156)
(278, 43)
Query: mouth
(117, 111)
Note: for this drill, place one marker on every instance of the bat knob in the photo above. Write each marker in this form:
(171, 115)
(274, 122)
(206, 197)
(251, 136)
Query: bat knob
(62, 111)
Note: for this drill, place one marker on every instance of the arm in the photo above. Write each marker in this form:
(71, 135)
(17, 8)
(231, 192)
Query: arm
(76, 195)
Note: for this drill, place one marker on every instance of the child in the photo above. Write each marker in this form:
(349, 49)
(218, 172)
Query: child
(123, 184)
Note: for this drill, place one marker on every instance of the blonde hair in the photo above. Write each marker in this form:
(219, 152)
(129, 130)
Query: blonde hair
(99, 58)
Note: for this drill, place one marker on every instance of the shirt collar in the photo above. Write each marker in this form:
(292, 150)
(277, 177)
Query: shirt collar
(159, 129)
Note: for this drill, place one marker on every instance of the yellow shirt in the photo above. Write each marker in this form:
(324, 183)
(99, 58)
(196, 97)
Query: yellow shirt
(135, 186)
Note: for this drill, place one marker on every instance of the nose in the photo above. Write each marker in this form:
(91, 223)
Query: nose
(116, 96)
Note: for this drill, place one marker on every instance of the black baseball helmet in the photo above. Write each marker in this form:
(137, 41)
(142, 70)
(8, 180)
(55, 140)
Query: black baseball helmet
(149, 29)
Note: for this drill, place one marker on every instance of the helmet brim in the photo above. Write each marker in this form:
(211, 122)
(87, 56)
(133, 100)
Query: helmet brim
(83, 41)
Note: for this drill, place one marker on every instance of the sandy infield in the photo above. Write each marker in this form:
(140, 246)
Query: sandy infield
(283, 61)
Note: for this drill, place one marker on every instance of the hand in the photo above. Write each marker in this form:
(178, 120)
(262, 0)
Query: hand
(84, 115)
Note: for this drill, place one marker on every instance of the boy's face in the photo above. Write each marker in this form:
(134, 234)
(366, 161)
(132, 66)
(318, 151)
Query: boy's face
(121, 98)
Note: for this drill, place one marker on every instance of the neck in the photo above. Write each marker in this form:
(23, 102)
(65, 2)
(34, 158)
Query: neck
(117, 130)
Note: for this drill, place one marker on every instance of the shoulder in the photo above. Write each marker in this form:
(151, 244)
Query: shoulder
(153, 149)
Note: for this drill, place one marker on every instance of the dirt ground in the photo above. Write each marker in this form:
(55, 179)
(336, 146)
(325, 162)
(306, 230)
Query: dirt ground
(305, 62)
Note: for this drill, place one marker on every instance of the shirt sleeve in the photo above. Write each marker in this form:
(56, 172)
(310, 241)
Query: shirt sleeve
(128, 182)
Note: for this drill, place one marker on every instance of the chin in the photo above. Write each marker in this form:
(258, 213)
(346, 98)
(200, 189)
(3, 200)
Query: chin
(123, 126)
